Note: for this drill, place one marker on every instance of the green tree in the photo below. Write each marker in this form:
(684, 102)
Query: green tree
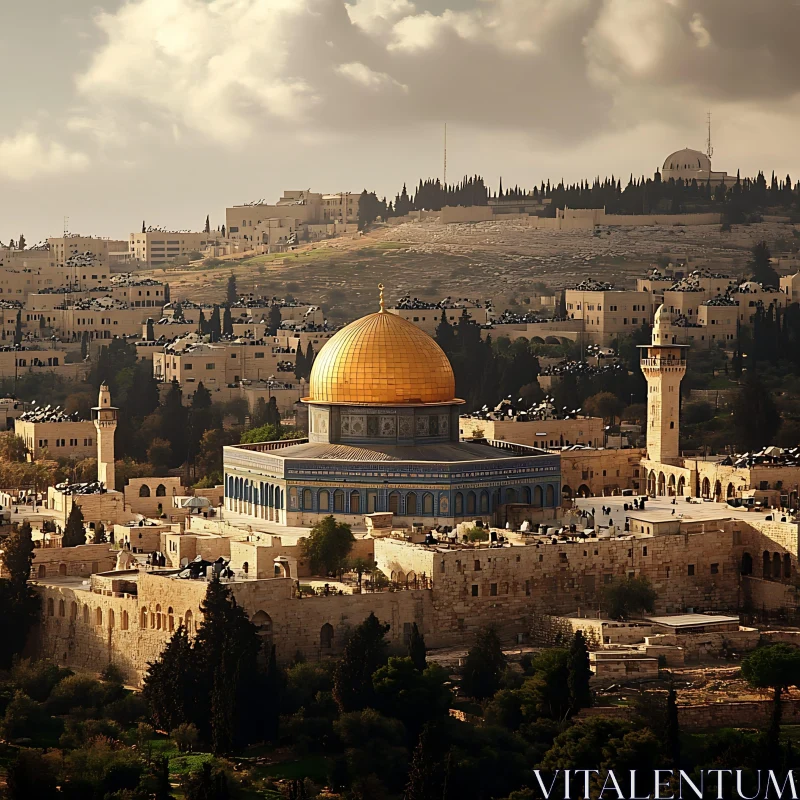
(426, 774)
(150, 334)
(74, 532)
(170, 683)
(274, 320)
(445, 337)
(622, 599)
(755, 416)
(328, 545)
(231, 295)
(207, 228)
(579, 673)
(776, 667)
(485, 662)
(201, 399)
(18, 551)
(19, 601)
(364, 654)
(762, 270)
(31, 776)
(214, 324)
(546, 693)
(227, 322)
(207, 783)
(417, 651)
(672, 734)
(605, 405)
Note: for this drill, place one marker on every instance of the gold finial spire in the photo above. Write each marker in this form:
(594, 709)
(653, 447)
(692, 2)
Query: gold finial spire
(380, 286)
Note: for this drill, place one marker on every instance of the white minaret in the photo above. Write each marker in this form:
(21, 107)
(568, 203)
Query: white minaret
(105, 422)
(663, 365)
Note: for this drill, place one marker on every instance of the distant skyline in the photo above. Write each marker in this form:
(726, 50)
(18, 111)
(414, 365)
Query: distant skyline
(169, 110)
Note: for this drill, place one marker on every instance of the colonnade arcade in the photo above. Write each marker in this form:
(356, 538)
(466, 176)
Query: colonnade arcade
(271, 502)
(256, 498)
(661, 483)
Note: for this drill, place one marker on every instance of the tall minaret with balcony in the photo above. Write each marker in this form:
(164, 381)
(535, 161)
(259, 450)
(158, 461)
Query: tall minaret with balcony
(105, 422)
(663, 365)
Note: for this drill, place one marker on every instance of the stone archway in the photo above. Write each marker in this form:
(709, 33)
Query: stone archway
(705, 488)
(747, 564)
(717, 491)
(671, 486)
(662, 484)
(730, 492)
(681, 486)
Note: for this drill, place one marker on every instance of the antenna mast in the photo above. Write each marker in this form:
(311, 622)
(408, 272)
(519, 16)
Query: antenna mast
(444, 178)
(709, 146)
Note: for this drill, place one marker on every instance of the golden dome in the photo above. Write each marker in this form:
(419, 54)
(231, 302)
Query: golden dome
(381, 359)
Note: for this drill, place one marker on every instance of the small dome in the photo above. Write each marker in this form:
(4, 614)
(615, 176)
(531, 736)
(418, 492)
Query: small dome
(381, 359)
(687, 160)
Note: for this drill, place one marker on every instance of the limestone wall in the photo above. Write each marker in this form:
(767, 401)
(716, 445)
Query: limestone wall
(81, 561)
(698, 646)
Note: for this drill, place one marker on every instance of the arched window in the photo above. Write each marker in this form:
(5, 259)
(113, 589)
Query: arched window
(471, 503)
(706, 487)
(787, 566)
(394, 502)
(73, 610)
(62, 569)
(41, 571)
(681, 486)
(161, 490)
(338, 500)
(98, 617)
(278, 497)
(427, 503)
(143, 617)
(776, 566)
(411, 504)
(326, 636)
(86, 615)
(158, 618)
(550, 498)
(124, 625)
(62, 609)
(188, 621)
(511, 496)
(538, 497)
(355, 502)
(170, 619)
(110, 617)
(307, 501)
(263, 623)
(766, 564)
(50, 607)
(484, 502)
(324, 500)
(144, 490)
(459, 504)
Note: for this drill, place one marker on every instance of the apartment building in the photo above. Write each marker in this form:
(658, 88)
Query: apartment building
(64, 248)
(15, 361)
(101, 320)
(751, 295)
(609, 313)
(155, 248)
(427, 316)
(58, 439)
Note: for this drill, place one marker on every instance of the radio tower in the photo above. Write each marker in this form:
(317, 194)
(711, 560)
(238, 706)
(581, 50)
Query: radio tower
(709, 146)
(444, 177)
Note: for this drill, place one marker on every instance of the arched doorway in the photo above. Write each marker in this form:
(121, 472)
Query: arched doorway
(326, 636)
(583, 491)
(747, 564)
(787, 566)
(718, 491)
(766, 565)
(730, 492)
(566, 492)
(651, 484)
(671, 486)
(681, 486)
(550, 498)
(538, 498)
(776, 566)
(411, 504)
(705, 488)
(394, 502)
(662, 484)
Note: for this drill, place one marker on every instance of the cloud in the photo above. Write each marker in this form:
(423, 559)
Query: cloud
(26, 156)
(560, 71)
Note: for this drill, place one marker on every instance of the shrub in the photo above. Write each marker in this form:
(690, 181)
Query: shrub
(186, 737)
(112, 673)
(23, 718)
(477, 535)
(37, 678)
(127, 710)
(76, 691)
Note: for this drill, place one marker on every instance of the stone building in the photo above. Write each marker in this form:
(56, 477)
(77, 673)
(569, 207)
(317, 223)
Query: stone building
(544, 433)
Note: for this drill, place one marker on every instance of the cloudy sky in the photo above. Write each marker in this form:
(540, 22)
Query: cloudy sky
(167, 110)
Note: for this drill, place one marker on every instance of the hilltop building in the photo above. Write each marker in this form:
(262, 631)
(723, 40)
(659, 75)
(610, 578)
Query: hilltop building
(691, 165)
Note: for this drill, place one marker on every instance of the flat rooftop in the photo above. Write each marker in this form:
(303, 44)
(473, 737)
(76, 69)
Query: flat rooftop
(692, 620)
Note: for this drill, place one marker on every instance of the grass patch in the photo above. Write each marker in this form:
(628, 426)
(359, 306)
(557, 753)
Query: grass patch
(314, 767)
(184, 763)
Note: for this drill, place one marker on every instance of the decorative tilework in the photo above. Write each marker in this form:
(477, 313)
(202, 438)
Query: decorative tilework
(389, 427)
(444, 424)
(422, 425)
(406, 427)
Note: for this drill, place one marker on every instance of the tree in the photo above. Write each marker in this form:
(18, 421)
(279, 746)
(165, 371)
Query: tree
(605, 405)
(622, 599)
(21, 243)
(426, 775)
(364, 654)
(207, 228)
(31, 775)
(215, 325)
(485, 662)
(223, 231)
(416, 649)
(150, 334)
(231, 294)
(207, 783)
(300, 370)
(579, 673)
(755, 416)
(763, 271)
(144, 229)
(776, 667)
(100, 534)
(170, 682)
(328, 545)
(227, 322)
(202, 325)
(274, 319)
(19, 601)
(673, 732)
(445, 337)
(159, 454)
(74, 532)
(12, 447)
(18, 551)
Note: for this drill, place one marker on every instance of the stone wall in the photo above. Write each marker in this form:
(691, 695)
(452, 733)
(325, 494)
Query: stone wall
(698, 646)
(80, 561)
(86, 629)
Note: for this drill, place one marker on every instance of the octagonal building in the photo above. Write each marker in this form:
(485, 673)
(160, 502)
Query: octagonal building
(383, 436)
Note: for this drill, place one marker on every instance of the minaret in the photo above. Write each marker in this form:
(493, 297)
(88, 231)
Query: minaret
(105, 421)
(663, 365)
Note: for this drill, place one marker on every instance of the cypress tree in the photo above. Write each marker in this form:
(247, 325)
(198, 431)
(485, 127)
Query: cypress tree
(231, 294)
(214, 325)
(227, 322)
(74, 533)
(426, 777)
(364, 653)
(310, 356)
(151, 333)
(416, 649)
(169, 685)
(300, 364)
(274, 320)
(100, 534)
(445, 337)
(20, 603)
(202, 325)
(207, 229)
(18, 553)
(579, 673)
